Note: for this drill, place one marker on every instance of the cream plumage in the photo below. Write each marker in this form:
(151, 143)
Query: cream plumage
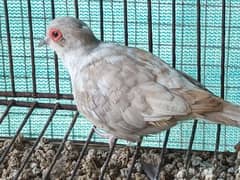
(129, 92)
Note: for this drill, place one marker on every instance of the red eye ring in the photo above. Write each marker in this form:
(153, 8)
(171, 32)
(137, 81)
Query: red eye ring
(55, 34)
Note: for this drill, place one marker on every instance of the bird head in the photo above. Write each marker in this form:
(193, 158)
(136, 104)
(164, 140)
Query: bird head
(68, 33)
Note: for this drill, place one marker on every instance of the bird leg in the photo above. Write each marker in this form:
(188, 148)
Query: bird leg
(111, 138)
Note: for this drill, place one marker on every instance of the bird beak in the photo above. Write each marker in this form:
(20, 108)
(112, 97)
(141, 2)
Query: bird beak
(43, 42)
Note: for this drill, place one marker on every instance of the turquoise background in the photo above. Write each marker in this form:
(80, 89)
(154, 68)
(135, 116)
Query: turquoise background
(186, 59)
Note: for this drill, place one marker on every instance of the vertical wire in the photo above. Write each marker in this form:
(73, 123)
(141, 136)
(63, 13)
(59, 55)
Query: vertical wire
(125, 22)
(205, 56)
(55, 57)
(32, 47)
(150, 40)
(76, 9)
(223, 49)
(222, 74)
(188, 154)
(101, 20)
(162, 154)
(174, 33)
(227, 59)
(9, 48)
(174, 66)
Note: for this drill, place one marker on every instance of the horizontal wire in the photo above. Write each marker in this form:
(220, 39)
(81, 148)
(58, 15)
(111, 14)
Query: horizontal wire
(37, 95)
(39, 105)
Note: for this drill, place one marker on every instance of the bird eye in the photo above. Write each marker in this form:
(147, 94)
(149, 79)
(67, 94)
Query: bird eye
(55, 34)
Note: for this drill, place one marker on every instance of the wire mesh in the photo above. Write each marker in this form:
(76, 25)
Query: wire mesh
(171, 29)
(200, 38)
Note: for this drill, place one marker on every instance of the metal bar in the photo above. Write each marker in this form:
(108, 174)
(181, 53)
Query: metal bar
(189, 151)
(76, 9)
(18, 131)
(101, 20)
(125, 22)
(39, 105)
(55, 59)
(82, 153)
(174, 33)
(217, 143)
(53, 9)
(61, 146)
(9, 105)
(199, 40)
(162, 153)
(104, 167)
(134, 159)
(223, 49)
(56, 76)
(37, 95)
(23, 164)
(10, 57)
(32, 48)
(150, 40)
(222, 75)
(174, 66)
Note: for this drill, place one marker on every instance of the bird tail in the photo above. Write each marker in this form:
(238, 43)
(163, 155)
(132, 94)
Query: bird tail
(230, 115)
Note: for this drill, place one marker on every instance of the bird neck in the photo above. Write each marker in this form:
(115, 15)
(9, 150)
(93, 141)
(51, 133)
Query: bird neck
(77, 58)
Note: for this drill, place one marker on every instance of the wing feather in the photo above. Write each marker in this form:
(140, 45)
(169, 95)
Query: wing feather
(137, 93)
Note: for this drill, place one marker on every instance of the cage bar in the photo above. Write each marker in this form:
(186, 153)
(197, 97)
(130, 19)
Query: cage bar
(104, 167)
(222, 75)
(101, 20)
(57, 106)
(55, 59)
(76, 9)
(4, 155)
(159, 168)
(189, 151)
(125, 22)
(24, 163)
(39, 105)
(194, 127)
(10, 57)
(82, 152)
(5, 113)
(150, 38)
(61, 147)
(134, 158)
(174, 33)
(32, 48)
(37, 95)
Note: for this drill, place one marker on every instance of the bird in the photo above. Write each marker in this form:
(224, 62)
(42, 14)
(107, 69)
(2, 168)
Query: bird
(128, 92)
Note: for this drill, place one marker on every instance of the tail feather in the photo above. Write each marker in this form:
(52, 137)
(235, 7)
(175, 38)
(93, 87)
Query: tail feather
(230, 115)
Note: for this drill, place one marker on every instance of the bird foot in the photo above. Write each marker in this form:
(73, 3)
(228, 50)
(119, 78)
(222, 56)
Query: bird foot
(111, 138)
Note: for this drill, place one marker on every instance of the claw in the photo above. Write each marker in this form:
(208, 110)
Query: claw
(111, 138)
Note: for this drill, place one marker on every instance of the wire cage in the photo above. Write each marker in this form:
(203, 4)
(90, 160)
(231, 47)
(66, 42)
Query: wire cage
(198, 37)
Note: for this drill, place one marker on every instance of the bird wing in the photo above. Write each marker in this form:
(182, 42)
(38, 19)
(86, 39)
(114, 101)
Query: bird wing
(136, 87)
(133, 89)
